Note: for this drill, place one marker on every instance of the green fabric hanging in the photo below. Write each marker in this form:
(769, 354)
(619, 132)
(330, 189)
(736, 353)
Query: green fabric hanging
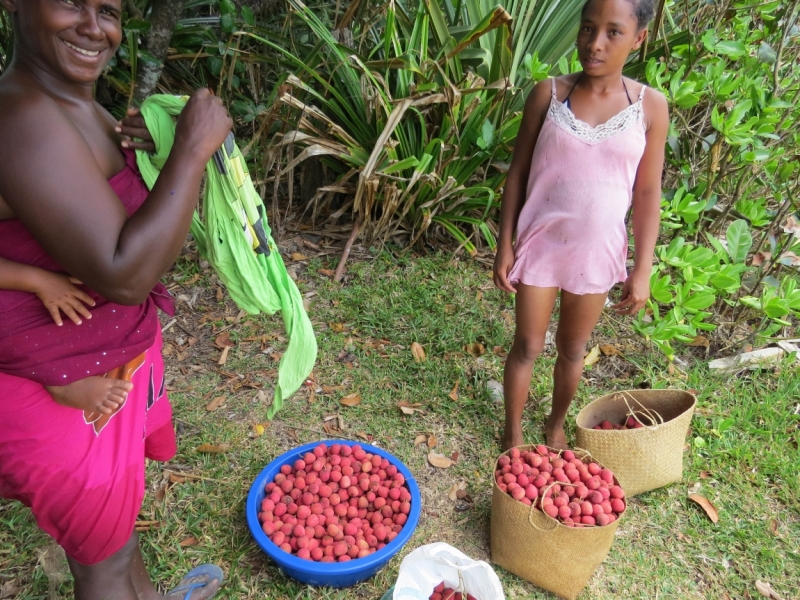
(235, 239)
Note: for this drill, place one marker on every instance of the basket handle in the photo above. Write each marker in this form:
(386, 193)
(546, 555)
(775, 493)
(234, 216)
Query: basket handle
(533, 508)
(651, 414)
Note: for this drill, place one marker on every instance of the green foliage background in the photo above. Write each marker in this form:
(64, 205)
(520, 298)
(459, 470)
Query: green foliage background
(411, 107)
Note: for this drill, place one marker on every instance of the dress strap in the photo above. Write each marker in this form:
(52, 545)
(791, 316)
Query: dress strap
(566, 100)
(630, 102)
(641, 94)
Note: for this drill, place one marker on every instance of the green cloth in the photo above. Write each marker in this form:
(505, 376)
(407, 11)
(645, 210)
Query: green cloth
(233, 236)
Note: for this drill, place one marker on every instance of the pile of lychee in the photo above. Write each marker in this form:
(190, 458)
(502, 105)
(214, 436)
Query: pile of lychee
(335, 504)
(630, 423)
(575, 492)
(440, 592)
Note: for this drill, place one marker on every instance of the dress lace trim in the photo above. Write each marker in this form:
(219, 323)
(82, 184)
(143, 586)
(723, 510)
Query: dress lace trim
(562, 116)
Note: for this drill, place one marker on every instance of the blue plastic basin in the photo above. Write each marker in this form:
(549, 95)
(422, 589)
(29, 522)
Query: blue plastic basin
(331, 574)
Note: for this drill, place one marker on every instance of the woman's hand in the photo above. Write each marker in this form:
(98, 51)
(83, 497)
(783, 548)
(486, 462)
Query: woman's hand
(503, 262)
(59, 294)
(203, 125)
(635, 292)
(133, 126)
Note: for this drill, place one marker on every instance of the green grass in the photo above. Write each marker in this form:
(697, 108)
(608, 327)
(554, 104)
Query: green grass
(744, 439)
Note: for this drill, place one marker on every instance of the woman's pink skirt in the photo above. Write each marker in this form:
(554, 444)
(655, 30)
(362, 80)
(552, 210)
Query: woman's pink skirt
(82, 475)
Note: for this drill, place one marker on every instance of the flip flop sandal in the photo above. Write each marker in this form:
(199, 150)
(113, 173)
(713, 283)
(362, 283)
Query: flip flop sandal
(210, 572)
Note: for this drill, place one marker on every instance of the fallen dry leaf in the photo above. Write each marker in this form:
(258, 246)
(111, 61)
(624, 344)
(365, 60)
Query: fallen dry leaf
(765, 589)
(760, 257)
(326, 272)
(454, 457)
(773, 526)
(706, 505)
(258, 430)
(453, 395)
(457, 487)
(9, 589)
(432, 441)
(703, 474)
(790, 258)
(592, 357)
(336, 327)
(219, 294)
(440, 460)
(223, 358)
(312, 396)
(449, 309)
(215, 403)
(420, 439)
(475, 349)
(213, 448)
(417, 352)
(610, 350)
(700, 341)
(353, 399)
(223, 340)
(790, 225)
(189, 541)
(175, 478)
(499, 351)
(409, 409)
(297, 256)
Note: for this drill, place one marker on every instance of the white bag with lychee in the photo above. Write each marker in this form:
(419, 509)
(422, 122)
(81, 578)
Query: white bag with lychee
(439, 565)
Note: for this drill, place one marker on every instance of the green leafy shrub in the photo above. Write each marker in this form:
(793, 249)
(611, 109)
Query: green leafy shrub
(729, 230)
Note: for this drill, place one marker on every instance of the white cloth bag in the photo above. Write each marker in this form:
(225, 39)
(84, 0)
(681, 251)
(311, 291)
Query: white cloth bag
(427, 566)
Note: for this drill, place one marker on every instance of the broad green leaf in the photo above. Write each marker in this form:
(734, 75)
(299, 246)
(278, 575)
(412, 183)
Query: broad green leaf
(766, 54)
(699, 302)
(731, 49)
(739, 240)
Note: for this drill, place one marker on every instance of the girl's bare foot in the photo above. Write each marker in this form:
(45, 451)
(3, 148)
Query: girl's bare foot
(554, 435)
(511, 438)
(96, 394)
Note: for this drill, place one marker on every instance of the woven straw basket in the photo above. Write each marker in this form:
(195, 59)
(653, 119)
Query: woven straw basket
(536, 547)
(646, 458)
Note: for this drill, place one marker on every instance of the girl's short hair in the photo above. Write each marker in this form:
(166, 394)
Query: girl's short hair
(643, 11)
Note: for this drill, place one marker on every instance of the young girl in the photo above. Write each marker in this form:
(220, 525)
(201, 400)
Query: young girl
(590, 145)
(58, 293)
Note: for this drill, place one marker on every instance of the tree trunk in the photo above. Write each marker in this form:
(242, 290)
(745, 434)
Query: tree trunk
(163, 18)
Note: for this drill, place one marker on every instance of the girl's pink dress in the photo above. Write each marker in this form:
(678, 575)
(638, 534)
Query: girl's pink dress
(571, 231)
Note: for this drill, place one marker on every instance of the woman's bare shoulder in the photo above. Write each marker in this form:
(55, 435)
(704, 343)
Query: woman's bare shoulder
(25, 109)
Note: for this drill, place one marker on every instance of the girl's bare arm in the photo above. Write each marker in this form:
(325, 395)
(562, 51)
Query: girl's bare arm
(517, 180)
(646, 204)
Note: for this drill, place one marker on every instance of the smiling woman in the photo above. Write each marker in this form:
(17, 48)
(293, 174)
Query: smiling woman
(74, 209)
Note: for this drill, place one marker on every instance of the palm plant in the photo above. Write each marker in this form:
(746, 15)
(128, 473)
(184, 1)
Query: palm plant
(414, 134)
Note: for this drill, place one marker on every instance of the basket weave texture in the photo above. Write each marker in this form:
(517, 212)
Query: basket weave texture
(530, 544)
(646, 458)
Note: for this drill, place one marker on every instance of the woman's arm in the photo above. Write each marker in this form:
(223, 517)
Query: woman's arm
(50, 179)
(646, 205)
(517, 180)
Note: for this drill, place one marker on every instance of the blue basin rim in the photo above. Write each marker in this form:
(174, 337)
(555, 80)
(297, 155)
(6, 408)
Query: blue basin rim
(330, 574)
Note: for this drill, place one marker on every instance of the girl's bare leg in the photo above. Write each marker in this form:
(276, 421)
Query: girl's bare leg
(577, 318)
(534, 306)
